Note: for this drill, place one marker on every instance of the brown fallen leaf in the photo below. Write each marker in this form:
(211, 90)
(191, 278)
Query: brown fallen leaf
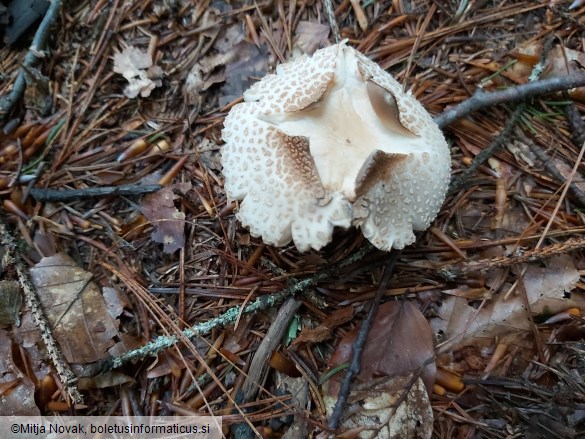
(386, 408)
(311, 36)
(545, 287)
(400, 341)
(168, 221)
(75, 309)
(325, 329)
(396, 376)
(16, 389)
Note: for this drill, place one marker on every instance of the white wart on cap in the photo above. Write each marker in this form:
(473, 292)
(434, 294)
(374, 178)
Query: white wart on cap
(333, 140)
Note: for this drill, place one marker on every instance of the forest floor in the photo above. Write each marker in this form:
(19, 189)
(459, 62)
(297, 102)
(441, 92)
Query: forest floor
(487, 333)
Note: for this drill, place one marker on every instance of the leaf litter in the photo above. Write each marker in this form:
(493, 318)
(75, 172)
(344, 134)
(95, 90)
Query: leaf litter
(89, 134)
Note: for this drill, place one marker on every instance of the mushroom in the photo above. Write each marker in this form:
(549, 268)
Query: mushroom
(333, 140)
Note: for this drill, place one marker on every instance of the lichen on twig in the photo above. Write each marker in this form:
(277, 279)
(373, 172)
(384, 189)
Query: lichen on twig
(231, 315)
(65, 373)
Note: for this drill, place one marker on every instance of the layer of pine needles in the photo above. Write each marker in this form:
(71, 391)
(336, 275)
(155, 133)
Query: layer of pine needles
(92, 135)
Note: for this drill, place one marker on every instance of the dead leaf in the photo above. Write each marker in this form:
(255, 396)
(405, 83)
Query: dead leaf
(400, 341)
(10, 301)
(75, 309)
(168, 221)
(389, 407)
(16, 389)
(463, 324)
(311, 36)
(136, 66)
(325, 329)
(243, 70)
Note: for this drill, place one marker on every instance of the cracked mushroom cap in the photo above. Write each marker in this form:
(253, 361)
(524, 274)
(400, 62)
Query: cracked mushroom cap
(333, 140)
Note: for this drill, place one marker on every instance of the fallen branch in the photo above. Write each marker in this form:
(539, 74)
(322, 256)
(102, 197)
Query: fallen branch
(32, 57)
(502, 138)
(482, 99)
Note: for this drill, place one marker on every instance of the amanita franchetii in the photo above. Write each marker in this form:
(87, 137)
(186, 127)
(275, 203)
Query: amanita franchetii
(333, 140)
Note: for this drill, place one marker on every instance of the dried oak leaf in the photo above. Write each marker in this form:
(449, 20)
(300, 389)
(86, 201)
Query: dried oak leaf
(399, 344)
(75, 309)
(545, 287)
(169, 223)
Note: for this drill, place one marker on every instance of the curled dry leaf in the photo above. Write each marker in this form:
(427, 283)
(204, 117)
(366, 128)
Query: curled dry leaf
(399, 344)
(75, 309)
(545, 286)
(168, 221)
(136, 66)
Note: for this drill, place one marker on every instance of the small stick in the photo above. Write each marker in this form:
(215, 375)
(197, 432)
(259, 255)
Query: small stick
(92, 192)
(260, 360)
(554, 172)
(329, 11)
(358, 345)
(452, 271)
(485, 154)
(482, 99)
(8, 102)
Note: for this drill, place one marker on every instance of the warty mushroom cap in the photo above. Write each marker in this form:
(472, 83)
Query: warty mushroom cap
(333, 140)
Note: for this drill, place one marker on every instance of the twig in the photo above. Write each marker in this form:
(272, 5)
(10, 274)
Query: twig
(92, 192)
(576, 123)
(482, 99)
(65, 373)
(230, 316)
(554, 172)
(358, 345)
(260, 361)
(38, 43)
(268, 344)
(484, 155)
(452, 271)
(330, 12)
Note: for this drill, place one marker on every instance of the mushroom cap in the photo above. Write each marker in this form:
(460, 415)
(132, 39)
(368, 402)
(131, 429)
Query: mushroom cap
(333, 140)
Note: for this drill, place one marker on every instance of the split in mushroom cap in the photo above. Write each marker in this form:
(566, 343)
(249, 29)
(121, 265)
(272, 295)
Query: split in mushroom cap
(333, 140)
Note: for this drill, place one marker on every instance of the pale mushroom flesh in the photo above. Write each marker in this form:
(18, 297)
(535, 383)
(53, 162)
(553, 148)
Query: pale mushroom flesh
(333, 140)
